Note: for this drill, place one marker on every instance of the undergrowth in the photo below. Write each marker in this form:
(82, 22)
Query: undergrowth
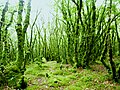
(50, 76)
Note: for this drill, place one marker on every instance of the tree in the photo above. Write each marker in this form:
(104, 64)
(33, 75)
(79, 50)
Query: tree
(21, 31)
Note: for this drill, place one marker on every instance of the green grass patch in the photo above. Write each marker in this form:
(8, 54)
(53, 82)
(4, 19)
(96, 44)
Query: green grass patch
(51, 77)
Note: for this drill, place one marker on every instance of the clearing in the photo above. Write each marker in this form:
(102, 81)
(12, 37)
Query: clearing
(54, 76)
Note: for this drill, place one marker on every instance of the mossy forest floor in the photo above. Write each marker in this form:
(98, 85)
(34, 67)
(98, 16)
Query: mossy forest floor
(53, 76)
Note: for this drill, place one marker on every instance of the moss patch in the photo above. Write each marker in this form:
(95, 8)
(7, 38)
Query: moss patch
(50, 76)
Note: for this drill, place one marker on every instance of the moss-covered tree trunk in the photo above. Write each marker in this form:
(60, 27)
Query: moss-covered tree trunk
(21, 31)
(6, 45)
(118, 38)
(2, 24)
(112, 63)
(79, 18)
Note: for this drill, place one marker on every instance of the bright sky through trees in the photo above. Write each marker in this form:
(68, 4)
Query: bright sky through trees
(43, 6)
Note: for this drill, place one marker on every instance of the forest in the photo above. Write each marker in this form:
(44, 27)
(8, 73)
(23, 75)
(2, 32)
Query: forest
(78, 50)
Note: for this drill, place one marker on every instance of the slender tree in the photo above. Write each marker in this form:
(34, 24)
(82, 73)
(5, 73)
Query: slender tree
(21, 30)
(2, 24)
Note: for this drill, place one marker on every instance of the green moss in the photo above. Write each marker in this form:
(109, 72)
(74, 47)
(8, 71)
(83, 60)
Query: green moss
(67, 78)
(33, 87)
(72, 70)
(58, 72)
(73, 88)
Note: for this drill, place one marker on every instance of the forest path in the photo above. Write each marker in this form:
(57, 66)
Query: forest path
(54, 76)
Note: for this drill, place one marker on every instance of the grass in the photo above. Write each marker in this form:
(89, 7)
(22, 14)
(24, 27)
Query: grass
(50, 76)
